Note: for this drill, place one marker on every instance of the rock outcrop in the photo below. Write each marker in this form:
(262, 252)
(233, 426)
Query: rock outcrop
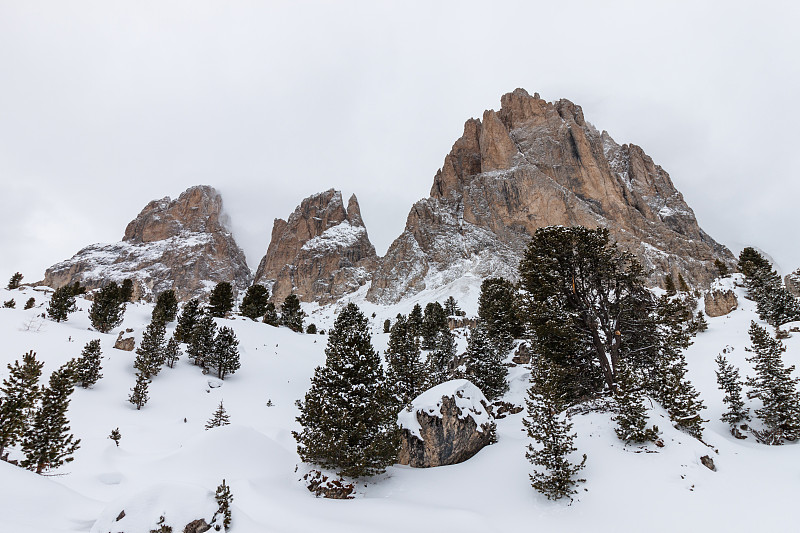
(720, 302)
(320, 253)
(125, 343)
(445, 425)
(180, 244)
(792, 282)
(532, 164)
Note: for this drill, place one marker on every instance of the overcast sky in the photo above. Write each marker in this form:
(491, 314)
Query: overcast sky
(105, 106)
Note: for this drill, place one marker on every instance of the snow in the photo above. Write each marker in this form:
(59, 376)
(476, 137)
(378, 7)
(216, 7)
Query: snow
(335, 238)
(165, 465)
(469, 399)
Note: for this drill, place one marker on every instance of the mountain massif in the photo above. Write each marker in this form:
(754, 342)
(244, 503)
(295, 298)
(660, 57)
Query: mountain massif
(531, 164)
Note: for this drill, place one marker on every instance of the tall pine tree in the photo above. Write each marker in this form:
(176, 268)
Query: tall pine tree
(440, 361)
(498, 310)
(730, 383)
(291, 314)
(107, 309)
(166, 309)
(87, 370)
(62, 303)
(220, 303)
(224, 356)
(18, 395)
(254, 303)
(484, 359)
(201, 342)
(189, 316)
(271, 317)
(406, 372)
(150, 353)
(172, 352)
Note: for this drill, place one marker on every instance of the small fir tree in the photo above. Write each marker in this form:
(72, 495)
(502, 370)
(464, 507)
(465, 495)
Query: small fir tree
(30, 303)
(405, 372)
(387, 326)
(433, 321)
(484, 360)
(172, 353)
(219, 418)
(699, 324)
(722, 268)
(220, 303)
(669, 285)
(440, 361)
(311, 329)
(271, 317)
(224, 500)
(190, 314)
(116, 436)
(87, 368)
(497, 309)
(18, 395)
(451, 307)
(48, 443)
(62, 303)
(14, 282)
(291, 314)
(632, 417)
(126, 290)
(415, 319)
(166, 309)
(254, 303)
(138, 395)
(10, 304)
(682, 285)
(150, 354)
(225, 355)
(107, 309)
(201, 342)
(730, 383)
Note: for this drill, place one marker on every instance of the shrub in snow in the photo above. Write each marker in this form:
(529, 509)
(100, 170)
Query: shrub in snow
(116, 436)
(166, 309)
(14, 282)
(10, 304)
(30, 303)
(322, 485)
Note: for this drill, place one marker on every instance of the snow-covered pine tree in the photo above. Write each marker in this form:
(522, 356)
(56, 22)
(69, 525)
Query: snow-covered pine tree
(774, 385)
(441, 359)
(220, 303)
(497, 309)
(138, 396)
(172, 352)
(224, 356)
(166, 309)
(116, 436)
(433, 321)
(87, 369)
(545, 424)
(29, 303)
(224, 500)
(219, 418)
(18, 395)
(189, 316)
(291, 314)
(484, 360)
(415, 319)
(254, 303)
(451, 307)
(107, 309)
(730, 383)
(722, 268)
(632, 417)
(150, 353)
(405, 371)
(201, 341)
(271, 317)
(14, 282)
(47, 443)
(62, 303)
(347, 415)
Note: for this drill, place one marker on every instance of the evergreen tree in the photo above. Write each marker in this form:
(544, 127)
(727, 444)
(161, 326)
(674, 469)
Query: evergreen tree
(729, 382)
(682, 286)
(440, 362)
(14, 282)
(220, 303)
(166, 309)
(775, 304)
(552, 432)
(485, 366)
(30, 303)
(201, 342)
(87, 371)
(126, 290)
(774, 385)
(10, 304)
(150, 353)
(48, 443)
(107, 309)
(18, 395)
(172, 352)
(387, 326)
(497, 309)
(415, 319)
(138, 396)
(451, 307)
(311, 329)
(632, 418)
(291, 314)
(190, 314)
(699, 324)
(219, 418)
(254, 303)
(116, 436)
(77, 289)
(224, 500)
(751, 261)
(669, 285)
(224, 356)
(406, 372)
(347, 415)
(271, 316)
(62, 303)
(433, 321)
(722, 268)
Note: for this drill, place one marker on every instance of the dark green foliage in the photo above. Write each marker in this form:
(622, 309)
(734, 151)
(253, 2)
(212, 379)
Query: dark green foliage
(138, 396)
(201, 341)
(774, 385)
(126, 290)
(87, 368)
(497, 308)
(750, 261)
(220, 303)
(62, 303)
(116, 436)
(48, 443)
(186, 321)
(682, 286)
(150, 353)
(77, 289)
(699, 324)
(311, 329)
(554, 474)
(387, 325)
(166, 309)
(172, 352)
(451, 307)
(291, 314)
(722, 268)
(433, 321)
(406, 372)
(347, 415)
(10, 304)
(30, 303)
(440, 362)
(254, 303)
(730, 383)
(225, 355)
(14, 282)
(271, 316)
(415, 319)
(224, 500)
(18, 395)
(632, 417)
(484, 360)
(774, 302)
(107, 309)
(669, 285)
(219, 418)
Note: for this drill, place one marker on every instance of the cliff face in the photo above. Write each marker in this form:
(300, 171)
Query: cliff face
(177, 244)
(320, 253)
(532, 164)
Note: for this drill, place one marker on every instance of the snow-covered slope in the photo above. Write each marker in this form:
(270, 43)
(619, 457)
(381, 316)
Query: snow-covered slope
(167, 463)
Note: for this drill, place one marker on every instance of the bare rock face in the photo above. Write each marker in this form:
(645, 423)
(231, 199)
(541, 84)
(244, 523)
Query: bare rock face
(445, 425)
(720, 302)
(125, 343)
(792, 282)
(180, 244)
(533, 164)
(320, 253)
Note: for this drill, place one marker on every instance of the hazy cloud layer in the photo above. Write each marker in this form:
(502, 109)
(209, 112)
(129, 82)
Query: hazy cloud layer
(105, 106)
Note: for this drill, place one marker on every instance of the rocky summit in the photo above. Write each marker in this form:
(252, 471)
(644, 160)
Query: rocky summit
(180, 244)
(320, 253)
(531, 164)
